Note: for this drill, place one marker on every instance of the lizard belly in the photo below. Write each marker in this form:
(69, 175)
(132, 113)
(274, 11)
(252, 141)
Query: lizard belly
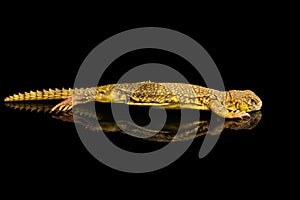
(171, 106)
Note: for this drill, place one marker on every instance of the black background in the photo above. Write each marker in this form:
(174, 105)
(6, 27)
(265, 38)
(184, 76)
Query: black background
(43, 51)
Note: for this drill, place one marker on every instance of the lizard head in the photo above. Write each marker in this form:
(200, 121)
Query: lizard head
(243, 100)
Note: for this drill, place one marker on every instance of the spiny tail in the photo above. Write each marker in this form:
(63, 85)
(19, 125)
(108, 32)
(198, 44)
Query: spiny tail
(41, 95)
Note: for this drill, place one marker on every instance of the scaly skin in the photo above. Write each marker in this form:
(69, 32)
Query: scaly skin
(227, 104)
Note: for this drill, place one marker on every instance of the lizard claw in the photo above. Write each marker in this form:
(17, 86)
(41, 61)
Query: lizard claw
(244, 115)
(239, 115)
(67, 108)
(63, 106)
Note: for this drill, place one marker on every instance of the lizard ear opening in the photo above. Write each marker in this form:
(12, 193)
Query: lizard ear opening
(237, 105)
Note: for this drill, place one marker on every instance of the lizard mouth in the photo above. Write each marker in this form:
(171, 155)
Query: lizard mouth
(259, 105)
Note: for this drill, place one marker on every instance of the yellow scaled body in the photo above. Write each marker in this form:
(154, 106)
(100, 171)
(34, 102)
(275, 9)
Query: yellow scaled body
(228, 104)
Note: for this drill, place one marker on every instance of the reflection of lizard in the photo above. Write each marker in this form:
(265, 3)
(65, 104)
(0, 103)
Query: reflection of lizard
(167, 134)
(227, 104)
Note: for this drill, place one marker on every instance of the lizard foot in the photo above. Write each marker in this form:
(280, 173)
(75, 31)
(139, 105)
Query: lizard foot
(239, 115)
(63, 106)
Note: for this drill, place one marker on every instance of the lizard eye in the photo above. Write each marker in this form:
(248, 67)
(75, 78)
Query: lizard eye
(252, 101)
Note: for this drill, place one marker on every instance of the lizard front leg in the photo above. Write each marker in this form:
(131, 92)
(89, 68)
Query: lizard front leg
(218, 108)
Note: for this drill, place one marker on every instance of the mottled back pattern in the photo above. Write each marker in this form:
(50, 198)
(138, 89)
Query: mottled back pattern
(164, 93)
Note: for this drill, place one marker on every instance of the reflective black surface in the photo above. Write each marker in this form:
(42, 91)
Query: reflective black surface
(137, 125)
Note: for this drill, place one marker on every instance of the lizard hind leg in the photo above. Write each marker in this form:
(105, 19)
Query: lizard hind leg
(65, 105)
(71, 101)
